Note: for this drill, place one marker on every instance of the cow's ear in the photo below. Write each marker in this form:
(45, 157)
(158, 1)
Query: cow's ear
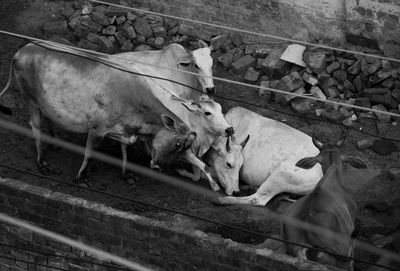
(307, 162)
(244, 143)
(169, 122)
(354, 162)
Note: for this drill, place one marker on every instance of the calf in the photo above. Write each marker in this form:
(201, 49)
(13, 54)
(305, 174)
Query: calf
(328, 206)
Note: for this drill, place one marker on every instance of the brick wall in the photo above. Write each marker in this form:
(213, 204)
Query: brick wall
(161, 245)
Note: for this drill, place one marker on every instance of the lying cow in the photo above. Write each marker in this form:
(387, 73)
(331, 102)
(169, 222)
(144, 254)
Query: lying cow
(86, 93)
(328, 206)
(267, 161)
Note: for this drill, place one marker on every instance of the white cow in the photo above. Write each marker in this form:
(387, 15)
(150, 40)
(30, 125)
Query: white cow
(268, 160)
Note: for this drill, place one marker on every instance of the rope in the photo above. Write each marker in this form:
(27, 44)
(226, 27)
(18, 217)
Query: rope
(73, 243)
(202, 191)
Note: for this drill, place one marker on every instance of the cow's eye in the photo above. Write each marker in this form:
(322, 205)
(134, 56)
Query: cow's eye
(178, 145)
(229, 165)
(207, 113)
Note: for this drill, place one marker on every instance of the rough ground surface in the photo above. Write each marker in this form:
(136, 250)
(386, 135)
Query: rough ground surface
(377, 196)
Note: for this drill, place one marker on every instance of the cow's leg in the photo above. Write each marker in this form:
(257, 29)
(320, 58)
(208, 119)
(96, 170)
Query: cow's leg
(35, 123)
(53, 135)
(200, 165)
(93, 140)
(128, 176)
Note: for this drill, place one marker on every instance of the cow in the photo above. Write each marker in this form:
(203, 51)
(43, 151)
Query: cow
(391, 242)
(267, 161)
(328, 206)
(174, 56)
(87, 93)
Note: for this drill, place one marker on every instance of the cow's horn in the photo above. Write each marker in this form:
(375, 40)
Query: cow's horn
(228, 146)
(317, 143)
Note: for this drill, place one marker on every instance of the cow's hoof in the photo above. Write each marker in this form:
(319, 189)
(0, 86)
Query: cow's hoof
(130, 178)
(83, 182)
(46, 169)
(215, 187)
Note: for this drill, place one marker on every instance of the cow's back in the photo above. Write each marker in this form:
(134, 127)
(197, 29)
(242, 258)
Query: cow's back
(273, 146)
(76, 91)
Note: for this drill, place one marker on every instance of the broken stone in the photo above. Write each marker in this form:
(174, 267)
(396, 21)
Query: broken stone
(312, 80)
(374, 66)
(363, 102)
(185, 29)
(355, 68)
(67, 12)
(100, 18)
(173, 31)
(159, 31)
(264, 92)
(327, 83)
(131, 16)
(388, 83)
(251, 75)
(109, 30)
(219, 41)
(92, 25)
(315, 60)
(121, 38)
(333, 67)
(112, 19)
(143, 47)
(114, 11)
(249, 49)
(143, 27)
(273, 66)
(85, 44)
(331, 114)
(391, 50)
(120, 19)
(92, 37)
(302, 105)
(346, 112)
(394, 173)
(87, 8)
(57, 27)
(237, 39)
(130, 32)
(340, 75)
(243, 63)
(358, 84)
(331, 92)
(159, 42)
(317, 92)
(229, 58)
(381, 116)
(291, 82)
(364, 144)
(384, 147)
(259, 63)
(105, 45)
(127, 46)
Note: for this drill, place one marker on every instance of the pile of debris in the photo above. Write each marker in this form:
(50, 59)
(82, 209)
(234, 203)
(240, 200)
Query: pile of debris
(110, 29)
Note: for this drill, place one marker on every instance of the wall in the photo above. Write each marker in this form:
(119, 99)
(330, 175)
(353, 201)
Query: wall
(166, 246)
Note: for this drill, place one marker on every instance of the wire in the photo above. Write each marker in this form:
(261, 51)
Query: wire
(247, 31)
(103, 61)
(247, 231)
(93, 55)
(68, 241)
(33, 263)
(64, 257)
(198, 190)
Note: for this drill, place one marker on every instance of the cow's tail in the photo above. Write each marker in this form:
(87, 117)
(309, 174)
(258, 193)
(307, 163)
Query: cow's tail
(3, 109)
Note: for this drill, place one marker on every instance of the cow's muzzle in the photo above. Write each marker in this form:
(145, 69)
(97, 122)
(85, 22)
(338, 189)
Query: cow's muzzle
(229, 131)
(154, 166)
(210, 90)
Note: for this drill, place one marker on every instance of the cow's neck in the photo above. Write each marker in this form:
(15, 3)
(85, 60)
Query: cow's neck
(204, 138)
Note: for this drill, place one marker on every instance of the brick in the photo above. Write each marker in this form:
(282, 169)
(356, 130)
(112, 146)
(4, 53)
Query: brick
(219, 41)
(251, 75)
(273, 66)
(355, 68)
(100, 18)
(143, 27)
(243, 63)
(229, 58)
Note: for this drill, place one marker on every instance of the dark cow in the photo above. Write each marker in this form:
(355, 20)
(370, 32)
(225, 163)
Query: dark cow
(328, 206)
(83, 93)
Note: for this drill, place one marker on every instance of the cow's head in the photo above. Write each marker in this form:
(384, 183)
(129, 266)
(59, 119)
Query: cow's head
(208, 114)
(328, 155)
(201, 62)
(227, 160)
(170, 142)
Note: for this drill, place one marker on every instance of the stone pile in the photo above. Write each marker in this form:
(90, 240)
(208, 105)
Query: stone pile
(363, 81)
(111, 29)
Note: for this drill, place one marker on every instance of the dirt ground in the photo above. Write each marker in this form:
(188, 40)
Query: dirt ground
(378, 196)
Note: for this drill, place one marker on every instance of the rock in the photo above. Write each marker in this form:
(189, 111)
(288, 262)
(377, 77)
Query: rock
(67, 12)
(127, 46)
(201, 35)
(264, 92)
(375, 91)
(384, 147)
(105, 45)
(121, 37)
(159, 42)
(85, 44)
(130, 16)
(154, 19)
(130, 32)
(110, 30)
(373, 67)
(312, 80)
(92, 37)
(243, 63)
(381, 116)
(159, 31)
(91, 25)
(259, 63)
(302, 105)
(391, 50)
(219, 41)
(120, 19)
(57, 27)
(173, 31)
(363, 102)
(333, 67)
(328, 83)
(331, 92)
(81, 31)
(143, 27)
(273, 66)
(315, 60)
(87, 8)
(394, 173)
(251, 76)
(317, 92)
(364, 144)
(229, 58)
(114, 11)
(355, 68)
(294, 54)
(100, 18)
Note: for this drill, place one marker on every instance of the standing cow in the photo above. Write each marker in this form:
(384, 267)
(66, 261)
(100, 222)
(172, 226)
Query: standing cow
(328, 206)
(267, 161)
(86, 93)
